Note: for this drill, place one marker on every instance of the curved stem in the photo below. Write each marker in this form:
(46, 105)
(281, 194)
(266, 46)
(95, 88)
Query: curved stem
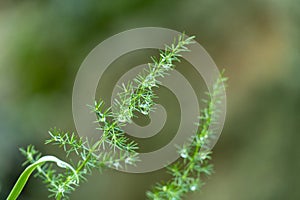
(21, 182)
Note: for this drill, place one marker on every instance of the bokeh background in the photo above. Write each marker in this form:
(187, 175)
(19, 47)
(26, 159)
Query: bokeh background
(42, 44)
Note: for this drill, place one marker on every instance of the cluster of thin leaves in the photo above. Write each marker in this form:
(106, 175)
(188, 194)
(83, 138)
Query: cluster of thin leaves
(186, 173)
(63, 183)
(113, 148)
(138, 95)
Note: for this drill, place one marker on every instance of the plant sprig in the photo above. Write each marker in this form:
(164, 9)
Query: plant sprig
(36, 165)
(138, 95)
(90, 157)
(113, 149)
(186, 173)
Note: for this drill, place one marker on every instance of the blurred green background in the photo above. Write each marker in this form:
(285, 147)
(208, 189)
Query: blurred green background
(42, 44)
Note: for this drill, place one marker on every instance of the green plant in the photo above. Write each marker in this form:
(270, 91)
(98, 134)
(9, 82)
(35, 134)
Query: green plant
(186, 173)
(114, 149)
(36, 165)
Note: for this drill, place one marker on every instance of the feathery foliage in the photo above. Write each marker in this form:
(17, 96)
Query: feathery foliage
(186, 173)
(138, 95)
(113, 149)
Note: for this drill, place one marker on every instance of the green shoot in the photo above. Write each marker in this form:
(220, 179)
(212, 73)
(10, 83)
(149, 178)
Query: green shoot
(21, 182)
(186, 173)
(113, 149)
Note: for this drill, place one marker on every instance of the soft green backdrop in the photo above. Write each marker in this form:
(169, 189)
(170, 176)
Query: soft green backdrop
(42, 44)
